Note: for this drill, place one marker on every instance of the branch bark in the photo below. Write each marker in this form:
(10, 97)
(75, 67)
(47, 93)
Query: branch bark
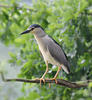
(60, 82)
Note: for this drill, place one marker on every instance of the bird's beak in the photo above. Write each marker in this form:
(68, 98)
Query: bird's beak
(25, 32)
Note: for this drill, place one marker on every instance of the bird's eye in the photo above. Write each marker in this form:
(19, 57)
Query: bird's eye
(32, 28)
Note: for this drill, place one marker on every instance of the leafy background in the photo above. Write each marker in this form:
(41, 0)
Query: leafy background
(69, 22)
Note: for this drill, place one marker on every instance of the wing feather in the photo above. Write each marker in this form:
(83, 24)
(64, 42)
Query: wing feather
(58, 54)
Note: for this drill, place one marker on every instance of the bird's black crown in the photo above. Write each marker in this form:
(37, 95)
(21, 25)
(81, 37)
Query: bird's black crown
(36, 26)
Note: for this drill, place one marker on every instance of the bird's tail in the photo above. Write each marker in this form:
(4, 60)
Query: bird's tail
(66, 69)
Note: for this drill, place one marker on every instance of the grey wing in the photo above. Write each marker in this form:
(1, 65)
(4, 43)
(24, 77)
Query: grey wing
(58, 54)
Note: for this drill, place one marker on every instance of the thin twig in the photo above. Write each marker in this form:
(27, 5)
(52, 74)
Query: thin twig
(59, 82)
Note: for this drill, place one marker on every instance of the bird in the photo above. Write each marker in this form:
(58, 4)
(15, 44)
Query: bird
(50, 50)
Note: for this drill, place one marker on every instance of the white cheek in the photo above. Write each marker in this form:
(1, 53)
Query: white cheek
(35, 30)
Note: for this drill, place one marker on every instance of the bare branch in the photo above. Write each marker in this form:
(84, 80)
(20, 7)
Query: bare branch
(61, 82)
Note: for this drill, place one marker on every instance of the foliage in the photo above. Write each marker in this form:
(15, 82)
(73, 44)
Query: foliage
(69, 22)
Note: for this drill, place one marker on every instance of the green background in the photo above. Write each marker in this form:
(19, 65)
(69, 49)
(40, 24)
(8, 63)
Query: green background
(69, 22)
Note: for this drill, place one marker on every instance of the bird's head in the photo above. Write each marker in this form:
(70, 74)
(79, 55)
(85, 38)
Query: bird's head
(34, 28)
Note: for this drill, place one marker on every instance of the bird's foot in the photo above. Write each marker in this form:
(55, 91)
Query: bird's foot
(42, 79)
(49, 83)
(54, 80)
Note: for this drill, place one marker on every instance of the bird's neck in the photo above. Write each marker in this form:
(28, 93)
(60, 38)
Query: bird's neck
(40, 37)
(39, 34)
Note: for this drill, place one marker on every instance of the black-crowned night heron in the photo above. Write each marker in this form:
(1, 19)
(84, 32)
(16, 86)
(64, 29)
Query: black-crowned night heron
(50, 49)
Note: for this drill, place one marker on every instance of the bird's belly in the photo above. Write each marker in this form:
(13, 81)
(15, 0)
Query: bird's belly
(49, 58)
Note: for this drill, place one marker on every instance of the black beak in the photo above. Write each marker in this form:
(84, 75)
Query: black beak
(25, 32)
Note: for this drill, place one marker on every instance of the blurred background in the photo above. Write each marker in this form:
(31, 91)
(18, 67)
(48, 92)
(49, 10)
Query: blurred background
(69, 22)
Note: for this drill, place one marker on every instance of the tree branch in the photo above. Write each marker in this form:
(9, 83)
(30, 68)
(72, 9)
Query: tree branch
(61, 82)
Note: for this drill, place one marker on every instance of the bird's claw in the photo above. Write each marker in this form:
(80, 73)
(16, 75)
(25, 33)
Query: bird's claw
(52, 79)
(42, 79)
(55, 80)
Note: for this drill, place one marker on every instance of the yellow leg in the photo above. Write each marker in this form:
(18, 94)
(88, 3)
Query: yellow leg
(42, 78)
(45, 71)
(59, 68)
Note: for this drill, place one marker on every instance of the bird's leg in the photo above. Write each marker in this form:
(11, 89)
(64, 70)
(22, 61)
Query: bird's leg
(42, 78)
(59, 68)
